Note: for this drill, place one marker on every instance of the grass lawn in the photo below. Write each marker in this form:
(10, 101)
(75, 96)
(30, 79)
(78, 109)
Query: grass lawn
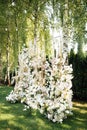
(12, 116)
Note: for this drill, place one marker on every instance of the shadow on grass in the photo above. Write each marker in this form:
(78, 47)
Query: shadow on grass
(12, 117)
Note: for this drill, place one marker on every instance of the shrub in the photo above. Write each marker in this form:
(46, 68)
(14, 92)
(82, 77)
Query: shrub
(79, 82)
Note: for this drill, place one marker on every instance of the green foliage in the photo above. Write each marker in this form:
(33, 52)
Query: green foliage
(13, 34)
(79, 64)
(12, 116)
(16, 30)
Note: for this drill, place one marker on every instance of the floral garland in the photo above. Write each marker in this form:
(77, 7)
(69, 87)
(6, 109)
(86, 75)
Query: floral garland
(44, 84)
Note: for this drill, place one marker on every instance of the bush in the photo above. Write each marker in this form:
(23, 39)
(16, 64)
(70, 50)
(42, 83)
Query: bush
(79, 64)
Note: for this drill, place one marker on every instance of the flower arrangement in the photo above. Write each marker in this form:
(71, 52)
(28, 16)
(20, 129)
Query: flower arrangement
(44, 84)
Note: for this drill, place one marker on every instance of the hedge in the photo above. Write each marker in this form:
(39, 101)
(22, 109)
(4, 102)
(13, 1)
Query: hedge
(79, 81)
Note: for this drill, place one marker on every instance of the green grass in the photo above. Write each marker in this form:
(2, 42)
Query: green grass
(12, 116)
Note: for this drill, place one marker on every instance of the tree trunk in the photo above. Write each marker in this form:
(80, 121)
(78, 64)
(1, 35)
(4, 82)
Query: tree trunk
(35, 36)
(80, 45)
(7, 57)
(8, 66)
(65, 31)
(35, 27)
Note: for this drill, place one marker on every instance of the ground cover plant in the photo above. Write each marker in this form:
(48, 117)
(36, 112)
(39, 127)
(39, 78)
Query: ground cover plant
(12, 116)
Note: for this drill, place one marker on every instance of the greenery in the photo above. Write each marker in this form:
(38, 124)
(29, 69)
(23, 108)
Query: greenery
(23, 22)
(12, 116)
(79, 82)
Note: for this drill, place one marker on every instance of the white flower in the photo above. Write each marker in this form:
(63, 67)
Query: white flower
(41, 111)
(13, 4)
(49, 116)
(67, 111)
(47, 88)
(54, 120)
